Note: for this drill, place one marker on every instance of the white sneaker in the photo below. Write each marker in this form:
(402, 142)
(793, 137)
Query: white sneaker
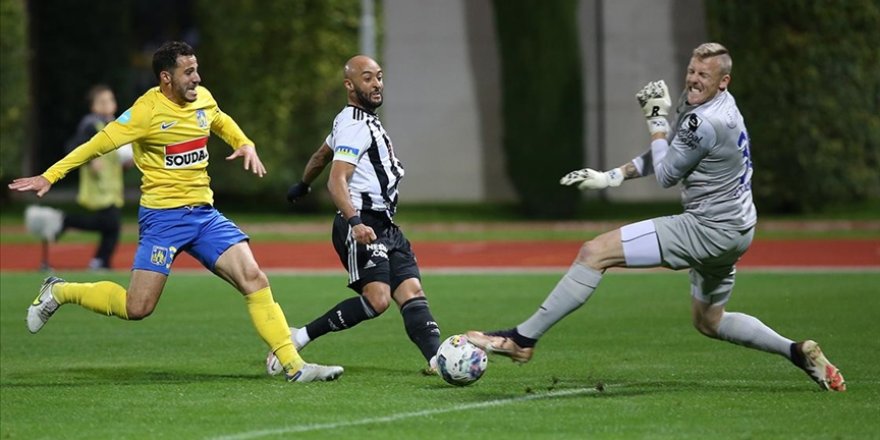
(315, 372)
(431, 369)
(273, 366)
(44, 222)
(44, 305)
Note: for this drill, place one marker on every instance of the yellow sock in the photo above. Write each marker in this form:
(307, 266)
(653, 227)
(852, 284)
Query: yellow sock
(269, 320)
(104, 297)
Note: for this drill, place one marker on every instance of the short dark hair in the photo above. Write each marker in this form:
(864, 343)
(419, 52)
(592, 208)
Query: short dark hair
(165, 57)
(96, 90)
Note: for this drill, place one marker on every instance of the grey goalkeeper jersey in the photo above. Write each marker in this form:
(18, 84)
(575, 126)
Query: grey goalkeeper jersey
(709, 155)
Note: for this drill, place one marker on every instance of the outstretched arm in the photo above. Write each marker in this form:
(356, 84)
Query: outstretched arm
(96, 146)
(34, 183)
(314, 168)
(252, 161)
(317, 163)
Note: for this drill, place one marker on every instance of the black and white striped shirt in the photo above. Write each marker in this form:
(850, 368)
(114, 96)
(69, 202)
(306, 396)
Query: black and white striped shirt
(359, 139)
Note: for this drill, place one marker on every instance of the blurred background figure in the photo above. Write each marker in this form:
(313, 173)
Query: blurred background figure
(100, 188)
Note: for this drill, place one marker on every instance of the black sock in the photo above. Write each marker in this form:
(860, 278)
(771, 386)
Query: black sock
(344, 315)
(420, 326)
(512, 333)
(796, 356)
(523, 341)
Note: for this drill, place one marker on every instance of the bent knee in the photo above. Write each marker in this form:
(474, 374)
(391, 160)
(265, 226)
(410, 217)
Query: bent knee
(254, 275)
(379, 303)
(707, 328)
(588, 255)
(139, 312)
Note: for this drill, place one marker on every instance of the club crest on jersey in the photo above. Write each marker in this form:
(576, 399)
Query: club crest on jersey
(159, 256)
(187, 154)
(344, 150)
(202, 118)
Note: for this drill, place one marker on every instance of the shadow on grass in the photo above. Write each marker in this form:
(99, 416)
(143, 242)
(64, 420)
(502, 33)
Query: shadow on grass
(115, 376)
(575, 388)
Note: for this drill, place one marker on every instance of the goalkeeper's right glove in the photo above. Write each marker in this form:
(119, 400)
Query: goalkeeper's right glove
(297, 191)
(655, 102)
(592, 179)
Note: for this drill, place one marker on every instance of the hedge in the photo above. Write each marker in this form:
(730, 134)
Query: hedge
(806, 76)
(14, 104)
(276, 68)
(542, 101)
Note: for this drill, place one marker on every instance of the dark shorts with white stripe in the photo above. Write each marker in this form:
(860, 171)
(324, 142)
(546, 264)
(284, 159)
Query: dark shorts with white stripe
(389, 259)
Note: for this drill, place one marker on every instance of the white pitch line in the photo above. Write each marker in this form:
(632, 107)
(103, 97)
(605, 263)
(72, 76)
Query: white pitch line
(385, 419)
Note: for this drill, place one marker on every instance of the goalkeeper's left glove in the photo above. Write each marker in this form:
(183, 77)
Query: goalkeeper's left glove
(592, 179)
(655, 102)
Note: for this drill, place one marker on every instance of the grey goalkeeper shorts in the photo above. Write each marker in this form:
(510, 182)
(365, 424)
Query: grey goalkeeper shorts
(710, 253)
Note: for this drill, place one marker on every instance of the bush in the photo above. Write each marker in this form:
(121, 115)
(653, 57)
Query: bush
(542, 108)
(806, 79)
(14, 104)
(276, 68)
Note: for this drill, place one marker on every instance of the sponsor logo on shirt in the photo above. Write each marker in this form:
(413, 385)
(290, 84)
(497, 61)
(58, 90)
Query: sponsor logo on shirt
(693, 122)
(186, 154)
(124, 117)
(687, 133)
(167, 125)
(201, 118)
(343, 150)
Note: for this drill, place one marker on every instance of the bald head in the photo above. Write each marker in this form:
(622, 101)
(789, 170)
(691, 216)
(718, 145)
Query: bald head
(358, 64)
(363, 80)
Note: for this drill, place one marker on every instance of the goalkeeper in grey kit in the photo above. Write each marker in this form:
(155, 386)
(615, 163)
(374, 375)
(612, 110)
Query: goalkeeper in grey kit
(707, 151)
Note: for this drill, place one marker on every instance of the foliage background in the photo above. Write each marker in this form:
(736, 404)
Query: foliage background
(807, 78)
(14, 105)
(73, 47)
(541, 72)
(279, 74)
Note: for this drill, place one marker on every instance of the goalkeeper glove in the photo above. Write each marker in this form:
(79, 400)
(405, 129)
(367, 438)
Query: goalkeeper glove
(297, 191)
(592, 179)
(655, 102)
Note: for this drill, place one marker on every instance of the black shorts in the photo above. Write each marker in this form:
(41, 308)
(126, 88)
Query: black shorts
(389, 259)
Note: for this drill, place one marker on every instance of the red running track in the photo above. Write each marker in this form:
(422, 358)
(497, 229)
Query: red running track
(843, 254)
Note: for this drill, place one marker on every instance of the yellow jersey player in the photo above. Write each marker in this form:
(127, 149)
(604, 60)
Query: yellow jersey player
(169, 128)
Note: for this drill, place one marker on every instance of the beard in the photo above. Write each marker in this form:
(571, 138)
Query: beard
(365, 101)
(180, 90)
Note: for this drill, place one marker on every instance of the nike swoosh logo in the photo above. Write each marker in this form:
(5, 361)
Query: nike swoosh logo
(167, 125)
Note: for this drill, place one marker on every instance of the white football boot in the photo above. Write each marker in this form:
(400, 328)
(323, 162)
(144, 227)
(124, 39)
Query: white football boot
(432, 368)
(809, 357)
(44, 305)
(315, 373)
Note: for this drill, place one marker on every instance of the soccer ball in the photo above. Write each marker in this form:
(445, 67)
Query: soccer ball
(460, 362)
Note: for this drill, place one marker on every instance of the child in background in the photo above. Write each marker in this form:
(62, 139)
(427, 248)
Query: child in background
(100, 187)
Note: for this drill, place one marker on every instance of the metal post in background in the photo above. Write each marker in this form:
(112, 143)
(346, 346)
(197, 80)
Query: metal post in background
(368, 28)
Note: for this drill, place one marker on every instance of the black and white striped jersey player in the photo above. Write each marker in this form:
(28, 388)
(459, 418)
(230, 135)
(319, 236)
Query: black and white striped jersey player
(707, 152)
(365, 176)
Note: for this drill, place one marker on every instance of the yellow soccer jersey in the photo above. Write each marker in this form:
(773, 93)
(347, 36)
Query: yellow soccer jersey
(169, 144)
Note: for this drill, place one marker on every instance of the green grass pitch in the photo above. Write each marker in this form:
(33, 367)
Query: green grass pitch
(626, 365)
